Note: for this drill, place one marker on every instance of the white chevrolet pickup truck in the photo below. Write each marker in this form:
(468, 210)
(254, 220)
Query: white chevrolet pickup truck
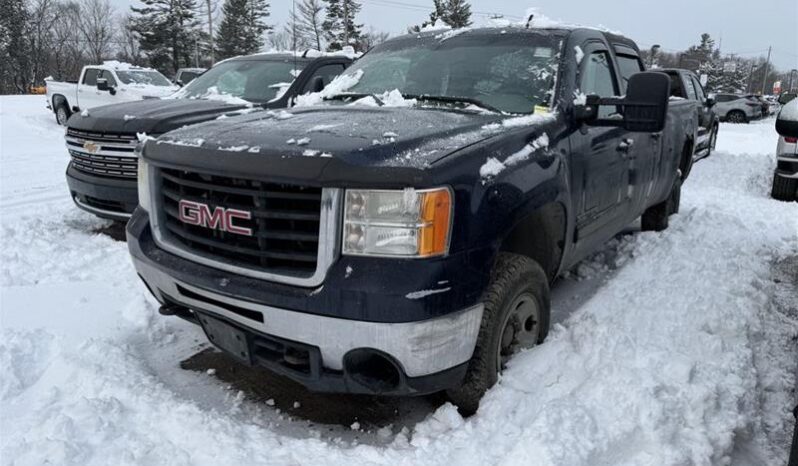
(109, 83)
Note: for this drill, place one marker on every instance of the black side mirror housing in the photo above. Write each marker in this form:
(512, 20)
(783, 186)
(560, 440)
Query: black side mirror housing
(645, 105)
(317, 84)
(710, 102)
(646, 102)
(102, 85)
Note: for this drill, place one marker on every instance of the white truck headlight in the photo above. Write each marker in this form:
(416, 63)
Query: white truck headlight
(402, 223)
(144, 185)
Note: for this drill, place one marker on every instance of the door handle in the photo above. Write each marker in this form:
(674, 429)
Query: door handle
(656, 136)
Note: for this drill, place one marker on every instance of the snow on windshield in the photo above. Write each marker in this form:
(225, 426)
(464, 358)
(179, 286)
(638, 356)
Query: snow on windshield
(513, 74)
(237, 81)
(143, 77)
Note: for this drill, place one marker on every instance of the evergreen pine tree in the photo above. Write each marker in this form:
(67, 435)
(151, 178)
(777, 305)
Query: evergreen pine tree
(168, 32)
(454, 13)
(242, 28)
(14, 48)
(339, 24)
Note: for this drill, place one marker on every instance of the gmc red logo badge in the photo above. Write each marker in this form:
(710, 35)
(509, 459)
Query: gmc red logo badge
(195, 213)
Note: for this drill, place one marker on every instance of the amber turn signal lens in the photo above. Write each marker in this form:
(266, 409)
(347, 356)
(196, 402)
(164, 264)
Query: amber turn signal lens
(436, 220)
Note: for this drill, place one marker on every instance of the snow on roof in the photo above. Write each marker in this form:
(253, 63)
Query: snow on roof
(122, 66)
(534, 19)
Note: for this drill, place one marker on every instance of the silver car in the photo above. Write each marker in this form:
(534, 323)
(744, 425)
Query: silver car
(737, 108)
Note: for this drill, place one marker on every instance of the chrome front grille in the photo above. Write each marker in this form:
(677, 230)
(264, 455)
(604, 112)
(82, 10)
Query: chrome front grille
(103, 154)
(292, 228)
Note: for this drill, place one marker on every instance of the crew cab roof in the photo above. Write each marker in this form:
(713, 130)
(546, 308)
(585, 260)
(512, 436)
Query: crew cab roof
(614, 39)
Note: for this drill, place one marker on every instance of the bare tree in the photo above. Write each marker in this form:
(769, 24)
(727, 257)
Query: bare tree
(39, 34)
(129, 47)
(371, 38)
(66, 46)
(96, 26)
(279, 40)
(304, 24)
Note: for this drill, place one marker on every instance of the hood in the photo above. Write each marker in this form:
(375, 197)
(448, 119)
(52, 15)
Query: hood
(362, 136)
(151, 116)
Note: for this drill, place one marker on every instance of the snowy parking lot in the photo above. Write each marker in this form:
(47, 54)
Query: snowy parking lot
(669, 348)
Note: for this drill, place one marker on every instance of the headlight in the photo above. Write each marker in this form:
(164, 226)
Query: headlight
(408, 223)
(144, 184)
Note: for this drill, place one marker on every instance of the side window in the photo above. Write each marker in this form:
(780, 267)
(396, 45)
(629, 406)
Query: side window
(628, 65)
(327, 73)
(690, 88)
(107, 75)
(699, 91)
(90, 77)
(722, 98)
(597, 78)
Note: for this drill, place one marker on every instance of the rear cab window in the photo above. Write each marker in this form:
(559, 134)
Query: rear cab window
(628, 65)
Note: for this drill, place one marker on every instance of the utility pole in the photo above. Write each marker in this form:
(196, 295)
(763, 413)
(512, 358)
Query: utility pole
(748, 88)
(767, 71)
(210, 31)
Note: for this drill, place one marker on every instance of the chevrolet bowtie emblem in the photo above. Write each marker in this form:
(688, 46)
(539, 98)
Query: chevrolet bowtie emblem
(91, 147)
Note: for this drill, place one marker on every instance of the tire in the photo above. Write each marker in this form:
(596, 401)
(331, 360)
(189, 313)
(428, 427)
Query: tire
(62, 113)
(736, 116)
(688, 159)
(516, 316)
(784, 189)
(656, 218)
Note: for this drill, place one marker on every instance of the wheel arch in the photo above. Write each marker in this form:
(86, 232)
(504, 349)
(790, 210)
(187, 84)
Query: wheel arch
(540, 235)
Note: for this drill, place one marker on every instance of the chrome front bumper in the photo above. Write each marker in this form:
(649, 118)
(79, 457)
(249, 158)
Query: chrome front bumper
(422, 348)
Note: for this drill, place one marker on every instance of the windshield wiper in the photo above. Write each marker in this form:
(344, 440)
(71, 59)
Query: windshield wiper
(351, 95)
(454, 100)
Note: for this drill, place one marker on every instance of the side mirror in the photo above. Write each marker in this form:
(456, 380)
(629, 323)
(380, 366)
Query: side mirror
(646, 102)
(102, 85)
(710, 101)
(179, 82)
(645, 105)
(317, 84)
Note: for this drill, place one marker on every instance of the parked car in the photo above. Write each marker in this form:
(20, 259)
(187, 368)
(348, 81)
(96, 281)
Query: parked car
(109, 83)
(186, 75)
(737, 108)
(785, 179)
(686, 85)
(401, 238)
(762, 102)
(786, 97)
(102, 171)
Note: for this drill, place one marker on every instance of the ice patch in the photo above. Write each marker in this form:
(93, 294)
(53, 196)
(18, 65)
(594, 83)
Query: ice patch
(424, 293)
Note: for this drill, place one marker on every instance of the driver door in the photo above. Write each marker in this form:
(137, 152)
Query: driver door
(599, 155)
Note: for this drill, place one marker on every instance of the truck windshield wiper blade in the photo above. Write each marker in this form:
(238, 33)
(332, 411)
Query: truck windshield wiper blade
(352, 95)
(454, 100)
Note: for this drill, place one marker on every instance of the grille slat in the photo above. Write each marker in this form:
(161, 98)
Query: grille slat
(111, 157)
(285, 221)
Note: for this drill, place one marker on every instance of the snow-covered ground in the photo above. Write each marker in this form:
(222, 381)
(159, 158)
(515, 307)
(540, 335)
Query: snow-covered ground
(670, 348)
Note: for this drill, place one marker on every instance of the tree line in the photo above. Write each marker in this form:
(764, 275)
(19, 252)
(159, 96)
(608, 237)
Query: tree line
(41, 38)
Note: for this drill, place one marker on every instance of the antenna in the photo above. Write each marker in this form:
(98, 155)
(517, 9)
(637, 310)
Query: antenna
(529, 20)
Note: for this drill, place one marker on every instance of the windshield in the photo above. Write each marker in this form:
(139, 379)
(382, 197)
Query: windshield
(509, 72)
(147, 77)
(255, 81)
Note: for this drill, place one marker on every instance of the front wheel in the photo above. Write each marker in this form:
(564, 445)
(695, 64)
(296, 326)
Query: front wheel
(516, 316)
(62, 114)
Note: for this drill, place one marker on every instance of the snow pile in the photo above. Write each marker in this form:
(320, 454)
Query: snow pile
(197, 142)
(213, 93)
(681, 357)
(339, 85)
(438, 25)
(392, 98)
(123, 66)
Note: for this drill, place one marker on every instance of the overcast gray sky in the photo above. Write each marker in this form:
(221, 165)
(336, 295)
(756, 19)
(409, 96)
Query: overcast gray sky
(747, 27)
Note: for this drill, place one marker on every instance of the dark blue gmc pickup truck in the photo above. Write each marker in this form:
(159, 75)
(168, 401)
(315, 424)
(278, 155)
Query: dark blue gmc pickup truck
(399, 235)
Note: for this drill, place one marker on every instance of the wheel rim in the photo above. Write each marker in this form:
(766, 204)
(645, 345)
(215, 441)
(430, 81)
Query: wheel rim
(521, 328)
(61, 114)
(736, 117)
